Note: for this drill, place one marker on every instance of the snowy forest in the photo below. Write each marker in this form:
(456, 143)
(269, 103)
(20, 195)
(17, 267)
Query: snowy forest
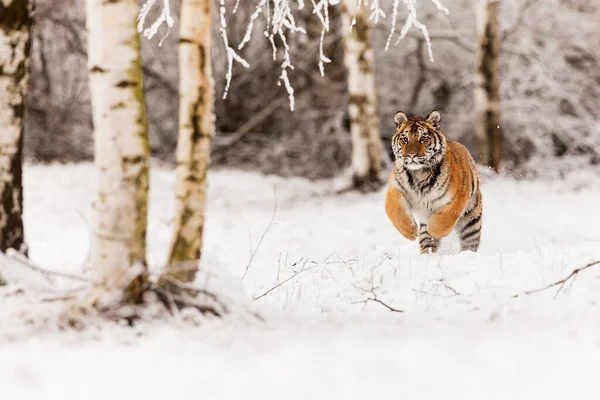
(324, 199)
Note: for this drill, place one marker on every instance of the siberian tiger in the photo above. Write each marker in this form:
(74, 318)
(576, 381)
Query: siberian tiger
(435, 180)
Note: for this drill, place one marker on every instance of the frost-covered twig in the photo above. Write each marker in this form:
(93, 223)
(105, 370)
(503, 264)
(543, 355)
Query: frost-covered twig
(262, 236)
(231, 53)
(295, 274)
(561, 282)
(163, 18)
(373, 296)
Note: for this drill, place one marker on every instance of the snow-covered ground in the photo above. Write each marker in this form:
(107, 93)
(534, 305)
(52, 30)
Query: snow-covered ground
(462, 334)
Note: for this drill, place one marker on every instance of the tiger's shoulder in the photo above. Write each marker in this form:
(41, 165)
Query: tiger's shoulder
(461, 165)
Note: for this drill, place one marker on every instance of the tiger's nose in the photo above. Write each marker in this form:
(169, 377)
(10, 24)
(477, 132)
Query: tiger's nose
(411, 155)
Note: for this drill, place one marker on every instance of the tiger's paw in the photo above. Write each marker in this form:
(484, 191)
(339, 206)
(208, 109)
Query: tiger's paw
(412, 232)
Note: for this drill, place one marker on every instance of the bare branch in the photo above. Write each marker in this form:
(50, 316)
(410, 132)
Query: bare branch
(561, 282)
(262, 236)
(20, 260)
(284, 281)
(376, 300)
(373, 294)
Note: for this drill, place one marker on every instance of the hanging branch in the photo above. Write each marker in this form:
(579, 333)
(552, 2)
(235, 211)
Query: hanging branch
(281, 22)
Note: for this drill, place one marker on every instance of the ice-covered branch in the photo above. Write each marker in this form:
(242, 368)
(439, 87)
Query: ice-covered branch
(280, 25)
(231, 53)
(164, 18)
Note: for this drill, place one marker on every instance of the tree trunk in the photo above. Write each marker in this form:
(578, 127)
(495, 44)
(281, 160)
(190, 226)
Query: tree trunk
(488, 129)
(196, 128)
(15, 43)
(367, 150)
(121, 148)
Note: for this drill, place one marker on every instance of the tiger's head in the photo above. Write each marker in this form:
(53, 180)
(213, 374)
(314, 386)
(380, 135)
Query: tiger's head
(418, 142)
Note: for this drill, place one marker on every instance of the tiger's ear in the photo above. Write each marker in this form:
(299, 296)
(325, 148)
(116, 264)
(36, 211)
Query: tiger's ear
(434, 118)
(400, 118)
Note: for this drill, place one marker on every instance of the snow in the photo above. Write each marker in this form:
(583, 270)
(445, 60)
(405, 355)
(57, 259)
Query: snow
(462, 333)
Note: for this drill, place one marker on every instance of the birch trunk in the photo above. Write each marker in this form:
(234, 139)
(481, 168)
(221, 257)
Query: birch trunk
(488, 129)
(15, 43)
(367, 150)
(121, 148)
(196, 127)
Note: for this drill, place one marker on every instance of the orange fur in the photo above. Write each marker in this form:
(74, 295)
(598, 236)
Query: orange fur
(461, 170)
(395, 208)
(436, 180)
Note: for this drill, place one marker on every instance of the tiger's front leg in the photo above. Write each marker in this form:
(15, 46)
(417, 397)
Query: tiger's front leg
(443, 221)
(427, 243)
(397, 211)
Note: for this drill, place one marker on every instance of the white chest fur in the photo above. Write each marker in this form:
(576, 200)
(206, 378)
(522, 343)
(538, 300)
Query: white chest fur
(422, 203)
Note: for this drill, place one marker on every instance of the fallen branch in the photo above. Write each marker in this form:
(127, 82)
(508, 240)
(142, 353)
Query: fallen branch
(374, 297)
(561, 282)
(376, 300)
(15, 267)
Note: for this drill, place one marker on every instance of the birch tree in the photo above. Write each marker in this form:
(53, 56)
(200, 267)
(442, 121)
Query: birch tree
(121, 149)
(488, 125)
(367, 150)
(15, 43)
(196, 127)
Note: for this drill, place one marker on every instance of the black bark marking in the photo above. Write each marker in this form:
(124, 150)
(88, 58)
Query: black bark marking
(11, 197)
(118, 106)
(126, 84)
(97, 70)
(134, 159)
(16, 16)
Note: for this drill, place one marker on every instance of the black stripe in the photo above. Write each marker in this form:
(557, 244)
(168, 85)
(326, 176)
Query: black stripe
(436, 142)
(469, 211)
(470, 234)
(473, 208)
(402, 188)
(439, 197)
(429, 238)
(471, 223)
(437, 169)
(410, 179)
(446, 179)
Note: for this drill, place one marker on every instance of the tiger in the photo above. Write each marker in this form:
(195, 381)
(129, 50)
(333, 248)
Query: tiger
(434, 179)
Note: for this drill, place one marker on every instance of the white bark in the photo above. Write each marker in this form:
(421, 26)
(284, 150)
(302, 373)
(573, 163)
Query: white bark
(367, 150)
(121, 146)
(488, 129)
(196, 127)
(15, 42)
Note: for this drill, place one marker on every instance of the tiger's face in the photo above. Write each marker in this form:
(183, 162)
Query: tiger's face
(417, 140)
